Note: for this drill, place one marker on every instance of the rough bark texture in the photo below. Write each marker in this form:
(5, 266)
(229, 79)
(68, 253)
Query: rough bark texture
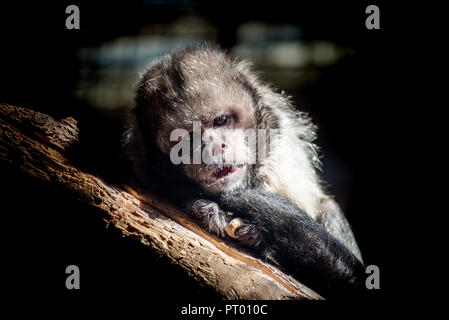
(38, 145)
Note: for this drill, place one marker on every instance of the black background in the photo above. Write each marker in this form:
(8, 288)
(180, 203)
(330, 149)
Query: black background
(357, 105)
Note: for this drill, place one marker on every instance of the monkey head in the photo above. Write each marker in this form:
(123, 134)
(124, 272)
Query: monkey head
(199, 106)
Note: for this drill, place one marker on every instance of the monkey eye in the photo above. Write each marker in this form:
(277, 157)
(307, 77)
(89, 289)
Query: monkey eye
(220, 121)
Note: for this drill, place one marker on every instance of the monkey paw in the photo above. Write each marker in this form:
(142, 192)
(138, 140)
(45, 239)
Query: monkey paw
(211, 216)
(245, 232)
(223, 223)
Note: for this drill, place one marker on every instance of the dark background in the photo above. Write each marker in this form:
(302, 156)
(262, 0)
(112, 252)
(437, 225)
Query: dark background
(45, 67)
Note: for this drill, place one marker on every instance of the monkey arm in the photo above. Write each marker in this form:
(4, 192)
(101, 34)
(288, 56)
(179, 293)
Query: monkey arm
(282, 233)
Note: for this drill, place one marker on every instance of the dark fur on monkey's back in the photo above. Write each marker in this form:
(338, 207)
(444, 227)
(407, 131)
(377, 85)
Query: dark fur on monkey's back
(275, 229)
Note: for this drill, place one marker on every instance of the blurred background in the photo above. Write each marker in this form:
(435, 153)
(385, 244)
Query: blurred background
(319, 52)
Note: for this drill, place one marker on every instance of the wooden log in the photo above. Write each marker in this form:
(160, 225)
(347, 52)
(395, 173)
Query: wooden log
(38, 144)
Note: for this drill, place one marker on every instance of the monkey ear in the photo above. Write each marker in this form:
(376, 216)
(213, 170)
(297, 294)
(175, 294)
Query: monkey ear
(129, 129)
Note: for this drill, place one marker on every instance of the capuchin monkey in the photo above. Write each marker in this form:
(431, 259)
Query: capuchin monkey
(275, 206)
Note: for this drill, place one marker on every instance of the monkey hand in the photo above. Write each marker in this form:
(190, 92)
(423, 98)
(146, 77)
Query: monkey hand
(223, 223)
(211, 216)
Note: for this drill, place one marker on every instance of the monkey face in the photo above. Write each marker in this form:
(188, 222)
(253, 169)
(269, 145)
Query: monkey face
(220, 150)
(207, 88)
(225, 156)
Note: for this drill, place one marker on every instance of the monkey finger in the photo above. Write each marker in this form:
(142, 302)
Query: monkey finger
(233, 226)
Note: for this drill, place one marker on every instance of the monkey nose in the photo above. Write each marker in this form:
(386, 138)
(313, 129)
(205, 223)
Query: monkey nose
(220, 148)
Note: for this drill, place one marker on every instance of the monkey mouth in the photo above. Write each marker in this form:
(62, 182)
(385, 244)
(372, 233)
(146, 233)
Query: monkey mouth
(224, 171)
